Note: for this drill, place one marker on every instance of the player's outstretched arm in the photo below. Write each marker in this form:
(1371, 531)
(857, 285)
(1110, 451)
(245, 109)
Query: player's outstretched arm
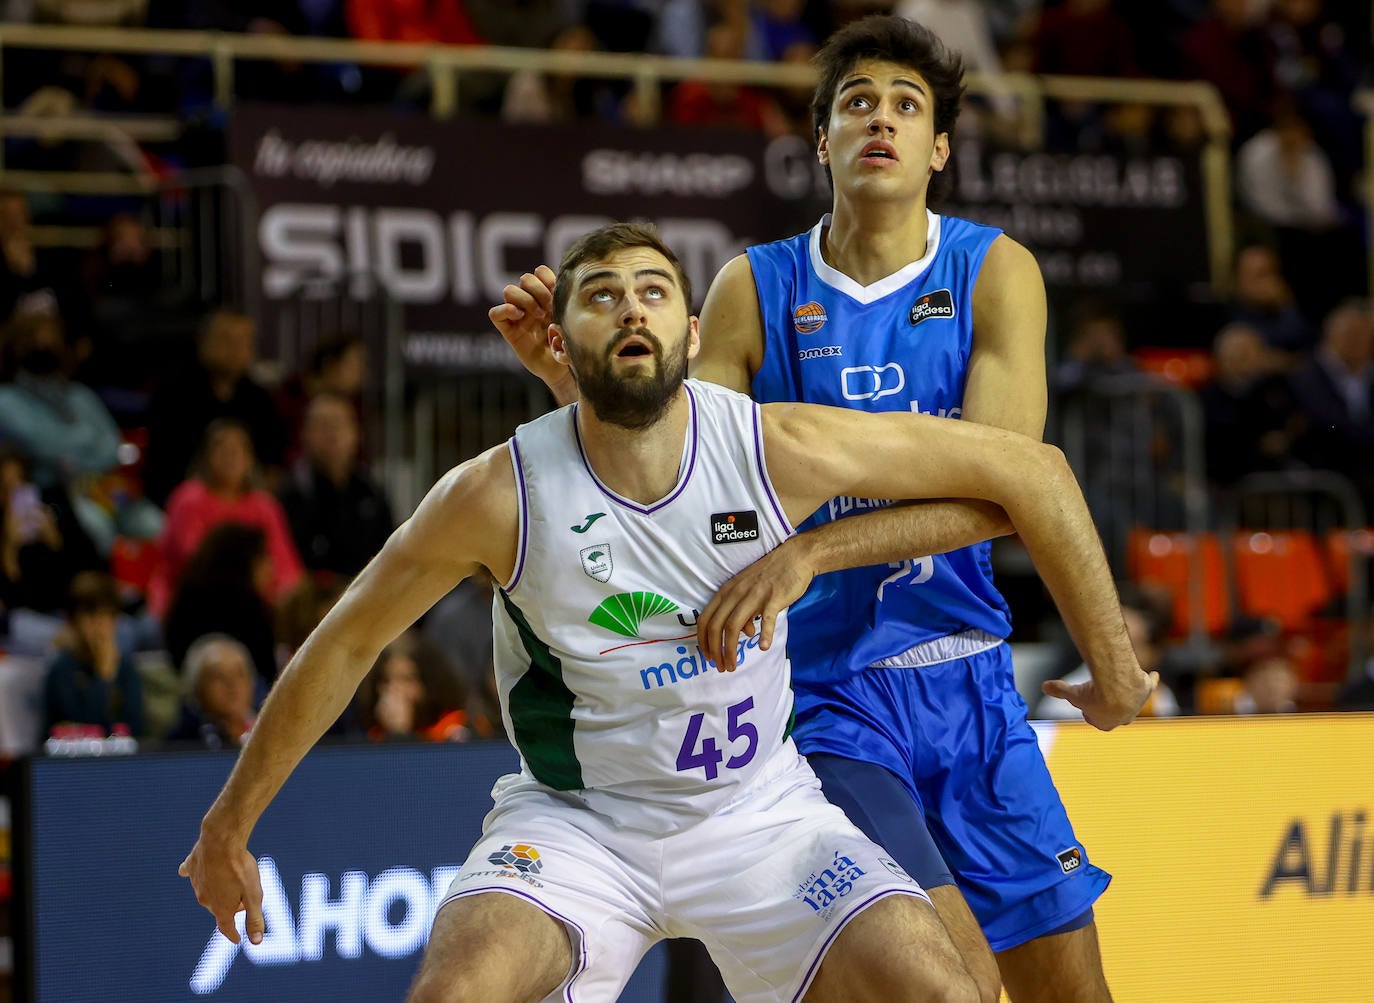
(811, 456)
(467, 523)
(523, 318)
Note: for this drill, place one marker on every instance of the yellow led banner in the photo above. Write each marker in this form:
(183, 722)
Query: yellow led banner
(1242, 850)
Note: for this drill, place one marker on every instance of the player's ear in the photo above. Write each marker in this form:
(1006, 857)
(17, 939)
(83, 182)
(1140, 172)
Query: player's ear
(939, 156)
(822, 147)
(558, 345)
(693, 337)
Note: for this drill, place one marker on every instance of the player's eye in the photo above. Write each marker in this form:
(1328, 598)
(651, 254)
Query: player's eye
(655, 293)
(600, 296)
(857, 101)
(909, 105)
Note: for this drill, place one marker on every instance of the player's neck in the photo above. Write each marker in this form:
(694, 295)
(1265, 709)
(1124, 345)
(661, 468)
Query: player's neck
(870, 241)
(640, 465)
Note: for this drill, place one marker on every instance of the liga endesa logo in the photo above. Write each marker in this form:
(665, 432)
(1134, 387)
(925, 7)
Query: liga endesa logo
(390, 912)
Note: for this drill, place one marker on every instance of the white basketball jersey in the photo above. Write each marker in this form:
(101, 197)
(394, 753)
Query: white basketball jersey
(604, 690)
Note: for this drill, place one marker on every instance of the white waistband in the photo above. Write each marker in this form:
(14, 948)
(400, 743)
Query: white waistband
(941, 649)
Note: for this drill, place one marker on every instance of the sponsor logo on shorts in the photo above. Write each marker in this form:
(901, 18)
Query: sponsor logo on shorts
(938, 305)
(1070, 860)
(823, 889)
(896, 869)
(596, 561)
(809, 318)
(734, 527)
(824, 352)
(520, 856)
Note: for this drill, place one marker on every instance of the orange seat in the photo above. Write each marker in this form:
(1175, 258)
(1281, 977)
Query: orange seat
(1340, 543)
(1218, 696)
(1280, 574)
(1184, 367)
(1168, 559)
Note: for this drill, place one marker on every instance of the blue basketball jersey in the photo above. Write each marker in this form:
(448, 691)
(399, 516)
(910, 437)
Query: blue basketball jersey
(900, 344)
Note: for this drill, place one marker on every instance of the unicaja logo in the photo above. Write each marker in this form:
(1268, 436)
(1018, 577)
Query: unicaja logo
(623, 613)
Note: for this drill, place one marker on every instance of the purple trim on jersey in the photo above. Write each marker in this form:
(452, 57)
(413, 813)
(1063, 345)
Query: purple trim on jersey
(581, 933)
(682, 482)
(522, 509)
(825, 946)
(787, 528)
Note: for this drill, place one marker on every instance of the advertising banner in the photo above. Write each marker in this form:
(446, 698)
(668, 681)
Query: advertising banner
(442, 215)
(355, 854)
(1242, 868)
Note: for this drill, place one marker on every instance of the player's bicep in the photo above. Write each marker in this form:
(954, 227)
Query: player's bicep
(732, 335)
(1006, 375)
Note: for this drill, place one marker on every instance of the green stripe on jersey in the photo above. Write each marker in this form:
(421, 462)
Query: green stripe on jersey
(541, 712)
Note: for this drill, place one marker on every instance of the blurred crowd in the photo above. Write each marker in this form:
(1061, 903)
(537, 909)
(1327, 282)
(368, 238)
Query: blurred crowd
(172, 525)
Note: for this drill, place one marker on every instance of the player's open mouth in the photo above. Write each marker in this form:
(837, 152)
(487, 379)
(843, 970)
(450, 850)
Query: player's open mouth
(878, 151)
(634, 347)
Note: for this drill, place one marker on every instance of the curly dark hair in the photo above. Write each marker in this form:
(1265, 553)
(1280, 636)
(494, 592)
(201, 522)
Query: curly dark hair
(890, 39)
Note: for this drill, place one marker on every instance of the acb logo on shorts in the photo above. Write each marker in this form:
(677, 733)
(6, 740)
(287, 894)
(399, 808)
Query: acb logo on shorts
(518, 856)
(1070, 860)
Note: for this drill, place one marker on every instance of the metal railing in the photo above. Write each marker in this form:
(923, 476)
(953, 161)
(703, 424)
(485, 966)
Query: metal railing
(445, 66)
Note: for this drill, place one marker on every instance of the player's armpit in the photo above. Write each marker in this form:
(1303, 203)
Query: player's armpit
(732, 337)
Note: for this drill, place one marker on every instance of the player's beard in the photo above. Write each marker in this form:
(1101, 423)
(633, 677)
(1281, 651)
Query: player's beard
(633, 400)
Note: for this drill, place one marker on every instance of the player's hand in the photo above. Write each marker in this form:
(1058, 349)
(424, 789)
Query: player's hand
(523, 320)
(750, 602)
(1106, 706)
(225, 879)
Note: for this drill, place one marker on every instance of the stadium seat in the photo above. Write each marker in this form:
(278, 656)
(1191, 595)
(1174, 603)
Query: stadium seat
(1339, 545)
(1168, 559)
(1280, 574)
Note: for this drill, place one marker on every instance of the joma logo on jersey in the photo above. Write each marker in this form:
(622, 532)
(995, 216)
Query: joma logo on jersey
(734, 527)
(938, 305)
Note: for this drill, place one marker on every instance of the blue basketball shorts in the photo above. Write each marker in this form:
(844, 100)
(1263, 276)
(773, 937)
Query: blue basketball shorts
(940, 766)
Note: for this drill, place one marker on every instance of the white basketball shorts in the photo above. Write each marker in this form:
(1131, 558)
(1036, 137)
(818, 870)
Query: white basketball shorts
(767, 885)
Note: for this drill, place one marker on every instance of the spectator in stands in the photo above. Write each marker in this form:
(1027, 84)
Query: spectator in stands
(533, 96)
(216, 385)
(339, 516)
(1230, 50)
(1263, 300)
(410, 694)
(1096, 349)
(1284, 178)
(1085, 38)
(337, 365)
(62, 425)
(779, 25)
(1359, 694)
(1249, 414)
(90, 682)
(733, 106)
(218, 710)
(224, 488)
(224, 590)
(1146, 625)
(1269, 686)
(301, 610)
(25, 288)
(1335, 391)
(42, 548)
